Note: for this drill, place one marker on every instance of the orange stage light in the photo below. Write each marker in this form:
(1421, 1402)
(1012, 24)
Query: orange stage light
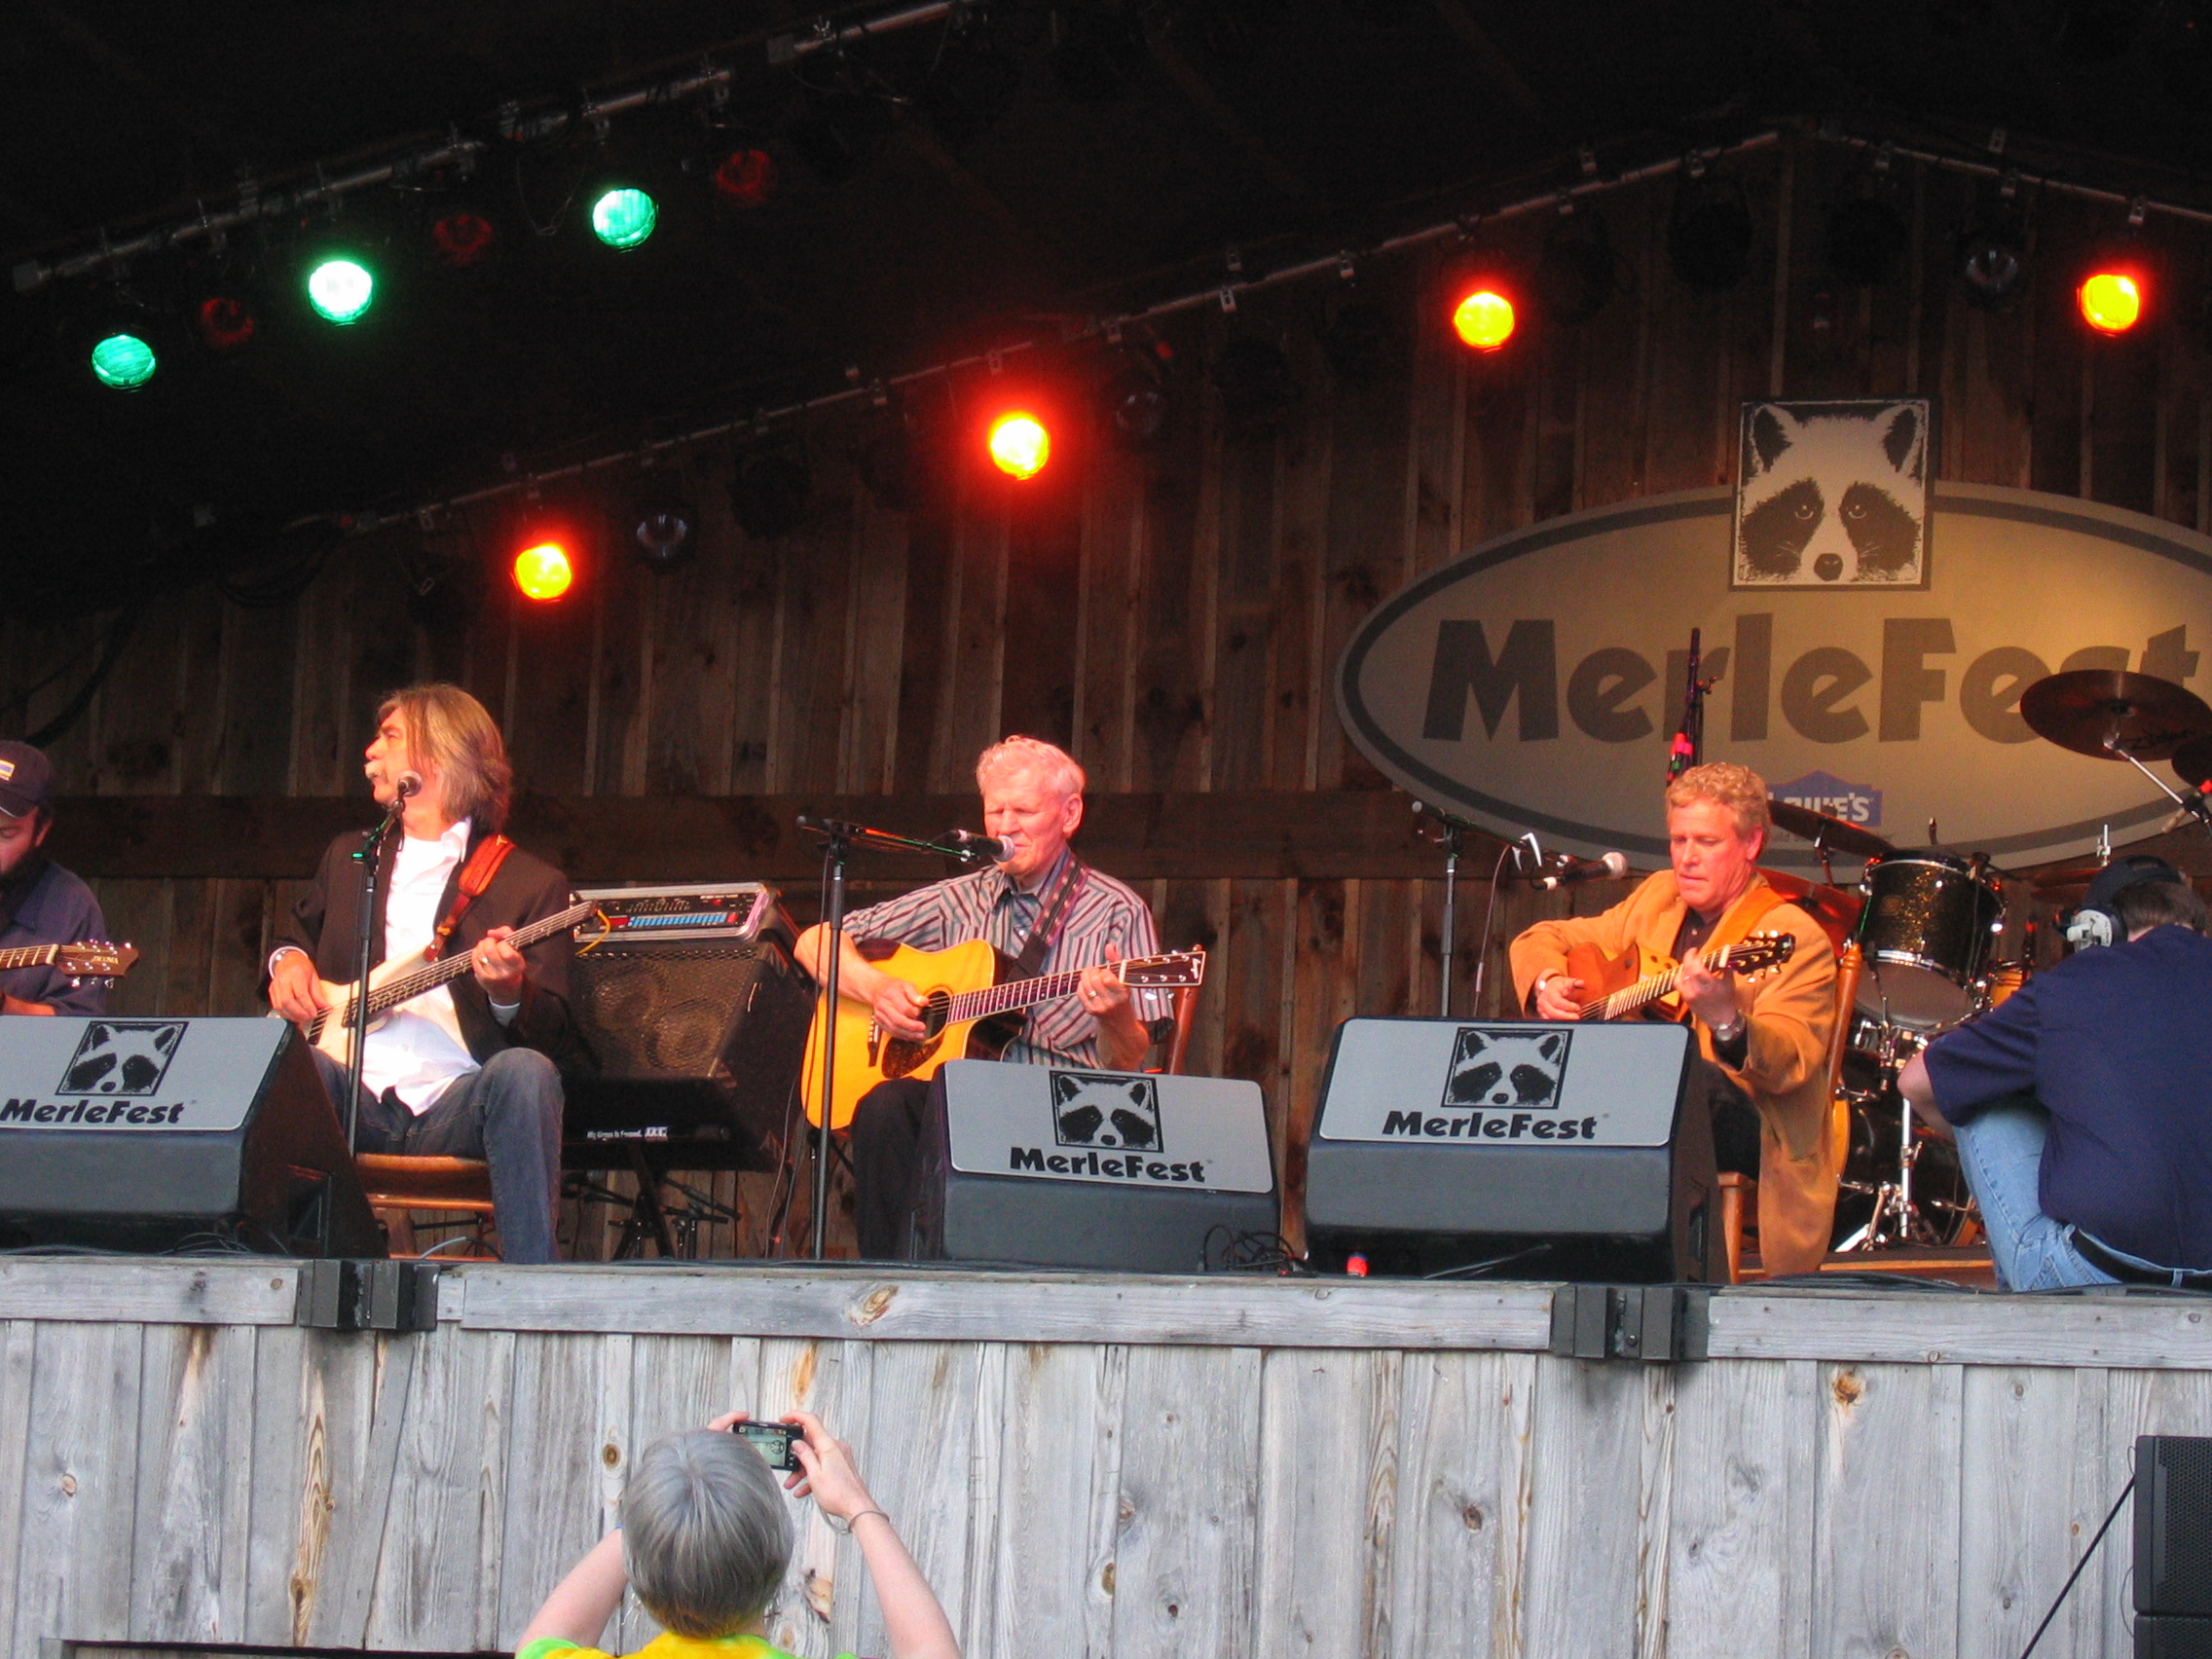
(543, 572)
(1019, 444)
(1483, 318)
(2110, 301)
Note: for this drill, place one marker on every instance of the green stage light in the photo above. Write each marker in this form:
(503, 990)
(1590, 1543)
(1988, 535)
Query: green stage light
(123, 361)
(623, 217)
(340, 290)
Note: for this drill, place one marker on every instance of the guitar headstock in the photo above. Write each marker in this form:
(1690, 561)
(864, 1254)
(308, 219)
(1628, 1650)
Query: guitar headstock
(1761, 953)
(95, 959)
(1171, 971)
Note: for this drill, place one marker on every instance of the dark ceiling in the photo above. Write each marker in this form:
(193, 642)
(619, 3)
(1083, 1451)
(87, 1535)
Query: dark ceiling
(1023, 162)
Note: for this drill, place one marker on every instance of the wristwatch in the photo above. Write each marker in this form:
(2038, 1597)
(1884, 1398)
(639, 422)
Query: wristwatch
(1734, 1029)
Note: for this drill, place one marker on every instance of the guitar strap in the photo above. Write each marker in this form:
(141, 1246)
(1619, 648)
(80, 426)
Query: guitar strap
(1039, 944)
(1743, 916)
(475, 876)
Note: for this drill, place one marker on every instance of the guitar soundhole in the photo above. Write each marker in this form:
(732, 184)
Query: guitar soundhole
(936, 1004)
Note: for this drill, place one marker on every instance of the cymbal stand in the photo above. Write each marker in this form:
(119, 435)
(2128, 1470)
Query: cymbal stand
(2196, 803)
(1896, 1219)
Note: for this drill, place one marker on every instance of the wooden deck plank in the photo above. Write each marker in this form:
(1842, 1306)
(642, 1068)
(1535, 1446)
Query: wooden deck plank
(951, 1306)
(2018, 1426)
(915, 1460)
(195, 1454)
(1061, 1418)
(1588, 1446)
(2147, 1332)
(554, 1505)
(148, 1290)
(19, 1343)
(1461, 1420)
(1729, 1559)
(80, 1485)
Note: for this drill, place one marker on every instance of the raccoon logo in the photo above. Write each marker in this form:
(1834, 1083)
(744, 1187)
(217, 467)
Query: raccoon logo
(1833, 495)
(1108, 1110)
(1516, 1068)
(115, 1059)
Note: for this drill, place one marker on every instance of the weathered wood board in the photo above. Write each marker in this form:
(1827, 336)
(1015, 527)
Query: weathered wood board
(1120, 1467)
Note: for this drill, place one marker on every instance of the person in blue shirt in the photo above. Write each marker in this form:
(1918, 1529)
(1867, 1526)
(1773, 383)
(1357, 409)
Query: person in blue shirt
(2082, 1104)
(40, 902)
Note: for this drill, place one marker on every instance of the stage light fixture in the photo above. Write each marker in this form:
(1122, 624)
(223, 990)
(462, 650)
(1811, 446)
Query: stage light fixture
(341, 289)
(123, 361)
(1483, 314)
(225, 322)
(1709, 232)
(542, 569)
(624, 216)
(772, 491)
(1134, 396)
(744, 177)
(2112, 298)
(1019, 444)
(1992, 259)
(1258, 390)
(664, 524)
(1578, 269)
(462, 239)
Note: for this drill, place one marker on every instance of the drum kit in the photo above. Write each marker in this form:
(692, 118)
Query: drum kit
(1928, 925)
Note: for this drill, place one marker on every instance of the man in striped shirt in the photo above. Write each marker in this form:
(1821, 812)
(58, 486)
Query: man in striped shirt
(1032, 801)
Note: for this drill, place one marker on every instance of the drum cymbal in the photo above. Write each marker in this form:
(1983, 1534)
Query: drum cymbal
(1832, 833)
(2110, 713)
(2193, 761)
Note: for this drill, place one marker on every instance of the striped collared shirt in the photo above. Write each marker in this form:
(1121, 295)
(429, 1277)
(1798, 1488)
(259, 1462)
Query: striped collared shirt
(986, 903)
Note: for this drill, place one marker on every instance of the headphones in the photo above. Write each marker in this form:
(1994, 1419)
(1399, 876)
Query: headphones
(2096, 922)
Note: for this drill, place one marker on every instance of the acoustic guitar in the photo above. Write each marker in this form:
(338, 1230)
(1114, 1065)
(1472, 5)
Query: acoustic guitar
(86, 959)
(1642, 981)
(969, 1010)
(392, 983)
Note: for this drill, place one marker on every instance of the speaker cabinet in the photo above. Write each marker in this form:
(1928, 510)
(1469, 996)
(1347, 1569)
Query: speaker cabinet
(2173, 1547)
(1112, 1171)
(698, 1042)
(150, 1135)
(1521, 1149)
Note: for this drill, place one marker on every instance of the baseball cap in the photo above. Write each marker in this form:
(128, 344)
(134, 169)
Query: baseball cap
(27, 779)
(2137, 869)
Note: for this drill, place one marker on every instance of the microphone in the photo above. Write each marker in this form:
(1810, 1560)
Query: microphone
(1612, 867)
(410, 785)
(976, 848)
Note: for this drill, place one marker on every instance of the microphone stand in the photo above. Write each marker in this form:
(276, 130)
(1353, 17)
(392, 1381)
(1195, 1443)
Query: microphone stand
(1451, 836)
(369, 855)
(838, 840)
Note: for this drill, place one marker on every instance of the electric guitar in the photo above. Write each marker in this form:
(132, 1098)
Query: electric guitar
(1641, 981)
(86, 959)
(392, 983)
(967, 1011)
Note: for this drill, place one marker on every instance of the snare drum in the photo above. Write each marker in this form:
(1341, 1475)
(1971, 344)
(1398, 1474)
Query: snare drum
(1925, 931)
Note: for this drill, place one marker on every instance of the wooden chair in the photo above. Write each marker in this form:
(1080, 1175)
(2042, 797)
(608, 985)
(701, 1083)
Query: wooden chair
(397, 1187)
(1838, 915)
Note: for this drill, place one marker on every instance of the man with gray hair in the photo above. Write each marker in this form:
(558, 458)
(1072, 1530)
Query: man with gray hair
(705, 1541)
(1040, 897)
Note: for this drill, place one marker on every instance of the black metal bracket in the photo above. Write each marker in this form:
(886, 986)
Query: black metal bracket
(368, 1296)
(1660, 1322)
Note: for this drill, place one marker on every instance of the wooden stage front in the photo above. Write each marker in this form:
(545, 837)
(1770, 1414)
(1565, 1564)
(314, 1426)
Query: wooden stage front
(1091, 1464)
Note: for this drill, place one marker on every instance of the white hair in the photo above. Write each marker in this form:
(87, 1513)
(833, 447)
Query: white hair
(1033, 755)
(705, 1536)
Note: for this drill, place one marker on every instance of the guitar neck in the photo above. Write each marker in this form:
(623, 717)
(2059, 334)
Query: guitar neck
(431, 976)
(1645, 991)
(1015, 993)
(29, 956)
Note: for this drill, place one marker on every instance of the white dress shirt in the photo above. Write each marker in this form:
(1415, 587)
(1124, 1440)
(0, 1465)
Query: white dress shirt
(410, 1053)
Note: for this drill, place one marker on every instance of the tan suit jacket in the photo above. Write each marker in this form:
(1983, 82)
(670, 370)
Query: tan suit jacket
(1790, 1017)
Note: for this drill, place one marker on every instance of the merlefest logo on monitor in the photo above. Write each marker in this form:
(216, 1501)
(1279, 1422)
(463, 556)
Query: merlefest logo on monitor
(1109, 1123)
(110, 1080)
(1533, 682)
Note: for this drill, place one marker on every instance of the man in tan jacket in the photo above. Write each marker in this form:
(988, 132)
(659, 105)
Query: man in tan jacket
(1763, 1042)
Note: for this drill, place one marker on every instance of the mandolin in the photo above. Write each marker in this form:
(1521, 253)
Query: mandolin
(1641, 981)
(965, 1014)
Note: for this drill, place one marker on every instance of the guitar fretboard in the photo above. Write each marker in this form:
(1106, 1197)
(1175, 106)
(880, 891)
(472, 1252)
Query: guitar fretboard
(1629, 998)
(1016, 993)
(431, 976)
(29, 956)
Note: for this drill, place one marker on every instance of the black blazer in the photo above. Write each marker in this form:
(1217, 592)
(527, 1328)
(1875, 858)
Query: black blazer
(525, 889)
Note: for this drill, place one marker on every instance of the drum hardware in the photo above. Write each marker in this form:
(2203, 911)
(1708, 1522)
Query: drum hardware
(1826, 833)
(1926, 933)
(2111, 714)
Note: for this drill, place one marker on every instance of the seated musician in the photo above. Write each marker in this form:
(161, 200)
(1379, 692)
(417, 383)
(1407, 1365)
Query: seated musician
(1763, 1042)
(467, 1069)
(2080, 1103)
(40, 902)
(1033, 801)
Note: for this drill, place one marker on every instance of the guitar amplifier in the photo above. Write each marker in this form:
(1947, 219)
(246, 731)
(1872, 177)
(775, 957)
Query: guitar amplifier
(1551, 1151)
(148, 1134)
(1112, 1171)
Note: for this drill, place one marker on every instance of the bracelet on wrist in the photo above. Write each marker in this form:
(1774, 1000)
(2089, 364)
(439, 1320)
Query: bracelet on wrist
(843, 1528)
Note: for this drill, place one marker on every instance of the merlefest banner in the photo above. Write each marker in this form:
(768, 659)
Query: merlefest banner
(1534, 682)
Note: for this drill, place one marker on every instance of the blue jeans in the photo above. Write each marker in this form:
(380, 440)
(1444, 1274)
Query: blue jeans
(507, 1112)
(2001, 1151)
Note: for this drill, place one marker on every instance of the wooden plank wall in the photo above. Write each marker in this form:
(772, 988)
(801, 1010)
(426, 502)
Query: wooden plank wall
(1114, 1497)
(1172, 617)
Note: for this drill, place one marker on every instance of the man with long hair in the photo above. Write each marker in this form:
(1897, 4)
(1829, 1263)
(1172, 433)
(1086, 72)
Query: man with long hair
(467, 1069)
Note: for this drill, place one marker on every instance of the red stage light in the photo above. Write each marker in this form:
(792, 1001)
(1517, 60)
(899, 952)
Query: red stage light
(1483, 316)
(746, 178)
(2110, 300)
(224, 323)
(1019, 444)
(462, 239)
(542, 568)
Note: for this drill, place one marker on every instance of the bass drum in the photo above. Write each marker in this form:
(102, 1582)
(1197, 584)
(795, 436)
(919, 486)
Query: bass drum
(1925, 931)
